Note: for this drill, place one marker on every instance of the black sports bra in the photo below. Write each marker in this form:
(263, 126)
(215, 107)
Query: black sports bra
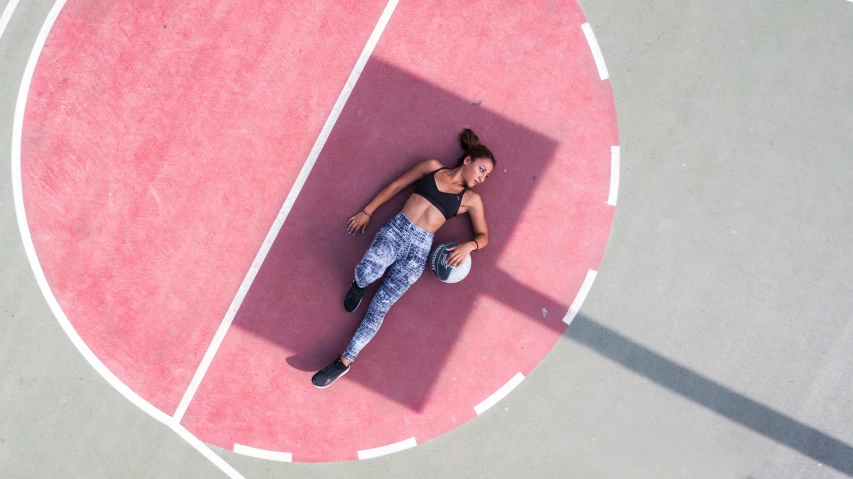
(447, 203)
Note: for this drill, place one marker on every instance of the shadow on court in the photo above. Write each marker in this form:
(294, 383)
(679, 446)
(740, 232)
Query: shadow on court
(392, 121)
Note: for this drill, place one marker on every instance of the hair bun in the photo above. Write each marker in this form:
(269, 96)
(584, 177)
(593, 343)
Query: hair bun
(468, 139)
(472, 147)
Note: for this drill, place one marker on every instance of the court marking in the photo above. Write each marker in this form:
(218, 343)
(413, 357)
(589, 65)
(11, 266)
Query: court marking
(614, 175)
(263, 453)
(41, 280)
(390, 448)
(596, 51)
(499, 394)
(7, 15)
(282, 214)
(579, 299)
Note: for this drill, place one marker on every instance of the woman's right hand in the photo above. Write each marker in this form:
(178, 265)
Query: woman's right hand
(357, 223)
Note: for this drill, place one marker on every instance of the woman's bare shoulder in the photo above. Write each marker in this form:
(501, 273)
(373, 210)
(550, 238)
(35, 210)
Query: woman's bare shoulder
(471, 199)
(417, 172)
(431, 164)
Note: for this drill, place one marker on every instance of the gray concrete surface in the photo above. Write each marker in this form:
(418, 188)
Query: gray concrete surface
(715, 341)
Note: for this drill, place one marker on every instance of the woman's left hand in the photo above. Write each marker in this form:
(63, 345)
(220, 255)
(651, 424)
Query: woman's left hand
(459, 253)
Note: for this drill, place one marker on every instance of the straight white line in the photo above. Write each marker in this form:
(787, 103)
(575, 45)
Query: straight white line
(614, 175)
(263, 453)
(576, 304)
(200, 446)
(7, 15)
(383, 450)
(285, 210)
(29, 248)
(596, 51)
(499, 394)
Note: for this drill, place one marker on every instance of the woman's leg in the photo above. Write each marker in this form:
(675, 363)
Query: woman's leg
(403, 274)
(380, 255)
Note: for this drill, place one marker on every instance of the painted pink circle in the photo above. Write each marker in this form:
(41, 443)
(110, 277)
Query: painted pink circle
(160, 143)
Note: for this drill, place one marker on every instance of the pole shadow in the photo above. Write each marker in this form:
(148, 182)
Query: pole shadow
(707, 393)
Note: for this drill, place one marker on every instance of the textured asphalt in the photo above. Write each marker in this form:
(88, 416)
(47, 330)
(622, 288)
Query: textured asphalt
(715, 342)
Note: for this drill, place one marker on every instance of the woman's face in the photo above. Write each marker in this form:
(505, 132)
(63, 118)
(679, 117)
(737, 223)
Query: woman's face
(475, 171)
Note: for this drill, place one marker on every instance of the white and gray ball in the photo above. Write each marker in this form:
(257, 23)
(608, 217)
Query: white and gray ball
(444, 272)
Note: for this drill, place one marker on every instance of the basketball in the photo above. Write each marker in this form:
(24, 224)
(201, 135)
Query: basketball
(441, 270)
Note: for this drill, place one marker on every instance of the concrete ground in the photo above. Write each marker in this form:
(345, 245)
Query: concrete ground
(715, 341)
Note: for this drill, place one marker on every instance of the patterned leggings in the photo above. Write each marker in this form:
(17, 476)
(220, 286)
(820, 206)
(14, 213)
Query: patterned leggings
(405, 247)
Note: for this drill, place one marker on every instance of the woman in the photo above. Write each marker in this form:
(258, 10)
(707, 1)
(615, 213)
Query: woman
(404, 243)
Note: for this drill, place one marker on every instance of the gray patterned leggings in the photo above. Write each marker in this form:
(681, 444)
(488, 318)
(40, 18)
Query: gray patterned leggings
(405, 247)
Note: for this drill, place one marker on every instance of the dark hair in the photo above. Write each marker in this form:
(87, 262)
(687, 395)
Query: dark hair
(472, 147)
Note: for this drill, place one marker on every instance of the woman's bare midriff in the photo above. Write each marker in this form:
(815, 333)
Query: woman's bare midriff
(422, 213)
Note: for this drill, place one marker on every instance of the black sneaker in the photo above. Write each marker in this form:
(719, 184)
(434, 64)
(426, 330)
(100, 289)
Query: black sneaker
(353, 297)
(326, 376)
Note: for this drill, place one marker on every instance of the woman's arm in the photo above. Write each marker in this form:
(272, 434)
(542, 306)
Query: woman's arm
(358, 222)
(481, 232)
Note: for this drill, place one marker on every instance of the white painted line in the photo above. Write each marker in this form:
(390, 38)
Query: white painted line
(7, 15)
(576, 304)
(499, 394)
(614, 176)
(263, 453)
(285, 210)
(26, 237)
(596, 51)
(200, 447)
(381, 451)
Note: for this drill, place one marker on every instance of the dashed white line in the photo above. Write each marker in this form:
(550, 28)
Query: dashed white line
(614, 176)
(41, 280)
(285, 210)
(576, 304)
(7, 15)
(596, 51)
(499, 394)
(383, 450)
(263, 453)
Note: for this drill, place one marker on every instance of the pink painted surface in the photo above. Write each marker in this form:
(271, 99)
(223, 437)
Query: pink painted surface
(160, 140)
(525, 81)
